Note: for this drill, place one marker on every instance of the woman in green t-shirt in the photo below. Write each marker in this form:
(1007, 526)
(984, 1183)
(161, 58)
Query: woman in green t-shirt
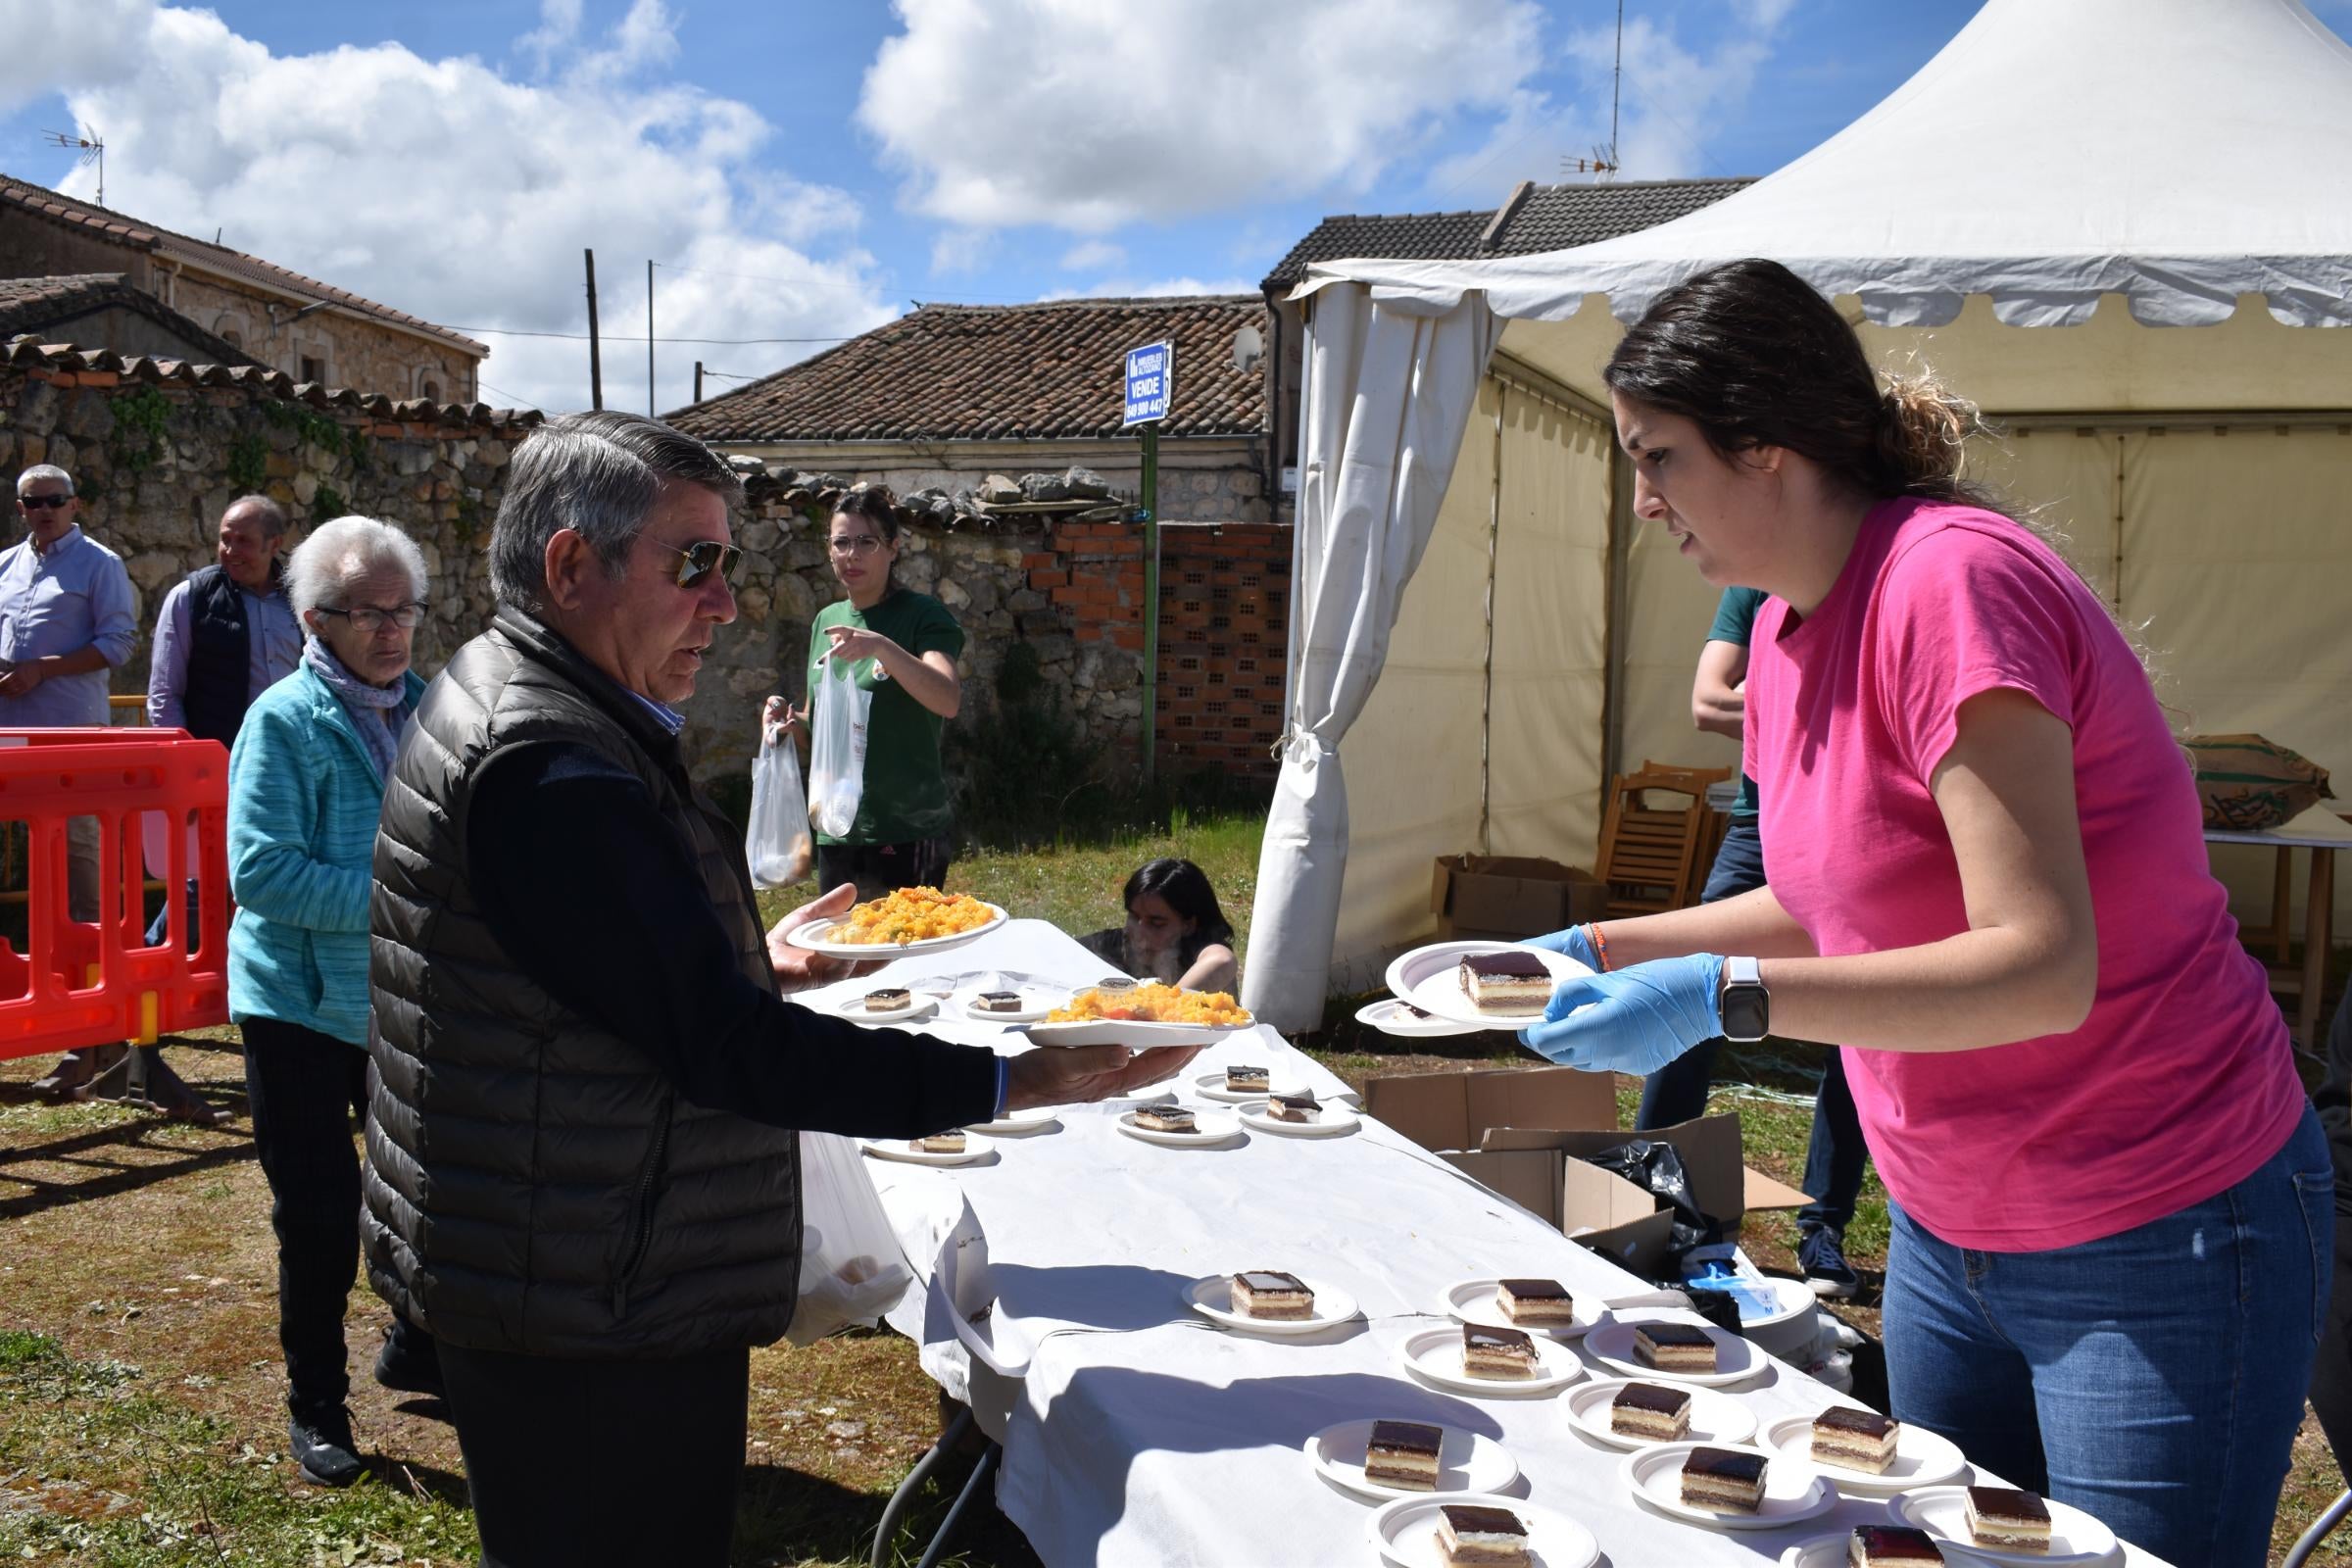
(901, 646)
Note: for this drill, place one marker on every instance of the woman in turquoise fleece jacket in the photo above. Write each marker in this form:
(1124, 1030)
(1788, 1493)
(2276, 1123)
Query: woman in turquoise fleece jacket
(306, 786)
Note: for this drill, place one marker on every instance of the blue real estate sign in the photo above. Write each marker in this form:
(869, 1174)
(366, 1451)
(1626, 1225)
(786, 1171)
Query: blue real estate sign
(1151, 383)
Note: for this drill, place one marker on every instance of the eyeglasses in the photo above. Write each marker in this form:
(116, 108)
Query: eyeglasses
(44, 502)
(703, 557)
(369, 618)
(856, 545)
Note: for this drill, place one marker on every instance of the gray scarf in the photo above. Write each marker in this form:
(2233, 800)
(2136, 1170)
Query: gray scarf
(375, 711)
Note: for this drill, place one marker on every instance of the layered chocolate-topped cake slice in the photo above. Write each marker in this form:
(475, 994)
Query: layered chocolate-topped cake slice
(2012, 1520)
(1166, 1119)
(1652, 1413)
(1507, 984)
(888, 998)
(1546, 1304)
(951, 1142)
(1248, 1079)
(1497, 1352)
(1301, 1107)
(996, 1002)
(1404, 1453)
(1859, 1439)
(1729, 1479)
(1892, 1546)
(1675, 1347)
(1273, 1296)
(1475, 1535)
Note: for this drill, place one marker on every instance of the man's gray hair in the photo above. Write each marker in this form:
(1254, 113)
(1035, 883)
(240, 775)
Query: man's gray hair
(43, 471)
(323, 567)
(598, 475)
(267, 512)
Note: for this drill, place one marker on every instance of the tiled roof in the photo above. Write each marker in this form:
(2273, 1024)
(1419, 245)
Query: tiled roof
(31, 198)
(950, 372)
(1532, 219)
(45, 306)
(105, 368)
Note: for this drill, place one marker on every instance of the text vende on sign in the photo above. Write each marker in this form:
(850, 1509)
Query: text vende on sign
(1151, 383)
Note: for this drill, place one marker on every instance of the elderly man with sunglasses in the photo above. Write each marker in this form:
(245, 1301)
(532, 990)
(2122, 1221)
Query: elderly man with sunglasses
(585, 1166)
(67, 621)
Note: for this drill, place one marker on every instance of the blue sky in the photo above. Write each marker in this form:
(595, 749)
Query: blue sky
(804, 171)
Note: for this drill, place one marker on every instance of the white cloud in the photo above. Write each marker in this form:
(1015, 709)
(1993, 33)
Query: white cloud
(960, 250)
(1132, 288)
(450, 191)
(1085, 116)
(1088, 255)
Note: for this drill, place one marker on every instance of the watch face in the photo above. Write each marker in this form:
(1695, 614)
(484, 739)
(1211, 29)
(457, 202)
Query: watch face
(1745, 1013)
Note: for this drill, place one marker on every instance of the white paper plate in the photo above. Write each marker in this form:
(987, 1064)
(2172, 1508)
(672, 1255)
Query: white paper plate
(1942, 1512)
(1429, 978)
(814, 935)
(1214, 1128)
(917, 1007)
(1822, 1552)
(1018, 1123)
(977, 1147)
(1473, 1301)
(1135, 1033)
(1434, 1357)
(1036, 1002)
(1405, 1532)
(1334, 1121)
(1736, 1359)
(1390, 1018)
(1212, 1298)
(1717, 1419)
(1921, 1458)
(1466, 1461)
(1792, 1495)
(1211, 1086)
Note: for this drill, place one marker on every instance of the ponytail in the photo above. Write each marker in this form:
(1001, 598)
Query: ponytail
(1922, 438)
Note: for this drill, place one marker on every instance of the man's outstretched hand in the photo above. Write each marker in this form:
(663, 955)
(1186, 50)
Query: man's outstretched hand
(1059, 1075)
(797, 968)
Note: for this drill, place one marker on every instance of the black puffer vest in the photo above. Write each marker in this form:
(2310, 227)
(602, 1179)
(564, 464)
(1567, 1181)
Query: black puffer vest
(219, 682)
(534, 1185)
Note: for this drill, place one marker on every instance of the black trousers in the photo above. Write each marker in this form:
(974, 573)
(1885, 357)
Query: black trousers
(880, 869)
(582, 1464)
(307, 1092)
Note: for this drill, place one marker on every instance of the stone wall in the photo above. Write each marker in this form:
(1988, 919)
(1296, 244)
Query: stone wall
(158, 456)
(1202, 478)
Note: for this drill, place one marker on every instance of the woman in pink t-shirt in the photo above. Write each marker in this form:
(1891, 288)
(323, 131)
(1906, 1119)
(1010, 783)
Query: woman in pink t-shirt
(1985, 877)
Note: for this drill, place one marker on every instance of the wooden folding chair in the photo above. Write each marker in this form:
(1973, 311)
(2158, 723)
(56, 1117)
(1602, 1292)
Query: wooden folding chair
(1650, 852)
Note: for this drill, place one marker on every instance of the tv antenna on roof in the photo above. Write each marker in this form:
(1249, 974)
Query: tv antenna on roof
(1604, 161)
(92, 146)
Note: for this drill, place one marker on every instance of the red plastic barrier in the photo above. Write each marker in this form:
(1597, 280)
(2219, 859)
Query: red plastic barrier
(84, 984)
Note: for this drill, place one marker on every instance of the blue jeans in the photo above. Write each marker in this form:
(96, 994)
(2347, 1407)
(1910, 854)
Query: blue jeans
(2154, 1378)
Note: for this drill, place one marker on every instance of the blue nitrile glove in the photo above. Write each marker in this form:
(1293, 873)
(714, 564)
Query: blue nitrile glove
(1574, 942)
(1632, 1020)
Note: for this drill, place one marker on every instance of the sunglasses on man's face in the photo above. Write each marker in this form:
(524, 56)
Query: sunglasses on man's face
(703, 557)
(44, 502)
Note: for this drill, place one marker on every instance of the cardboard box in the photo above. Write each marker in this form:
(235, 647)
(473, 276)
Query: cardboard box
(1525, 1133)
(1510, 896)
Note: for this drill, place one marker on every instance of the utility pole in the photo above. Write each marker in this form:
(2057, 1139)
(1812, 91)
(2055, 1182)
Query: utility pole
(596, 363)
(698, 380)
(1151, 600)
(1616, 77)
(650, 411)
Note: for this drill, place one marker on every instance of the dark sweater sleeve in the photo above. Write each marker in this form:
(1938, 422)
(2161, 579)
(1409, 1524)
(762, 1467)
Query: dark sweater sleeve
(597, 898)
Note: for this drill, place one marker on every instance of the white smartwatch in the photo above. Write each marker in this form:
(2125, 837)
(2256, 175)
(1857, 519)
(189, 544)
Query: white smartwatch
(1747, 1004)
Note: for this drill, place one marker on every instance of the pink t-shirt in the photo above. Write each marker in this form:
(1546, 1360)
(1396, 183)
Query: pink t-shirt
(2180, 1084)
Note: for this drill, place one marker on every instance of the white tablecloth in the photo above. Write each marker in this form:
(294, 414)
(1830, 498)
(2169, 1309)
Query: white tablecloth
(1142, 1436)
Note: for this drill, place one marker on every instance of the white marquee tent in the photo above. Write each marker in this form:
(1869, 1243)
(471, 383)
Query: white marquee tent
(2121, 225)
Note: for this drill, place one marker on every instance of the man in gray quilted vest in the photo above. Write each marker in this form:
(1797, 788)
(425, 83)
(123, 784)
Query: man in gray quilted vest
(582, 1130)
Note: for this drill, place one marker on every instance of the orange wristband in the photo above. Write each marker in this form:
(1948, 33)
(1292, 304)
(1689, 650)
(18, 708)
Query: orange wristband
(1601, 945)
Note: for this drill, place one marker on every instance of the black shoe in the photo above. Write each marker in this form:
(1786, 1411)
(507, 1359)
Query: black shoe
(1821, 1254)
(323, 1447)
(409, 1363)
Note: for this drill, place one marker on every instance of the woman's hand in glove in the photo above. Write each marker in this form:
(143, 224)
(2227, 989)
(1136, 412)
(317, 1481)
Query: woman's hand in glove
(1632, 1020)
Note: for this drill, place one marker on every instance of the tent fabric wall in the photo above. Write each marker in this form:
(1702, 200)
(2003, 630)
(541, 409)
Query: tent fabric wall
(1387, 390)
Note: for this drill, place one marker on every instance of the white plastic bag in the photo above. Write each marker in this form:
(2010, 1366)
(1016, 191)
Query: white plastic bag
(777, 844)
(852, 1269)
(837, 712)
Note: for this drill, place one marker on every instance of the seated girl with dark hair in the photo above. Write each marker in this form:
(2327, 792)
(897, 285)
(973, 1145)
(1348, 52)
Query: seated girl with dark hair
(1175, 932)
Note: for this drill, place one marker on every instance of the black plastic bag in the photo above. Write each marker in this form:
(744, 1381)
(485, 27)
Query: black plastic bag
(1657, 1169)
